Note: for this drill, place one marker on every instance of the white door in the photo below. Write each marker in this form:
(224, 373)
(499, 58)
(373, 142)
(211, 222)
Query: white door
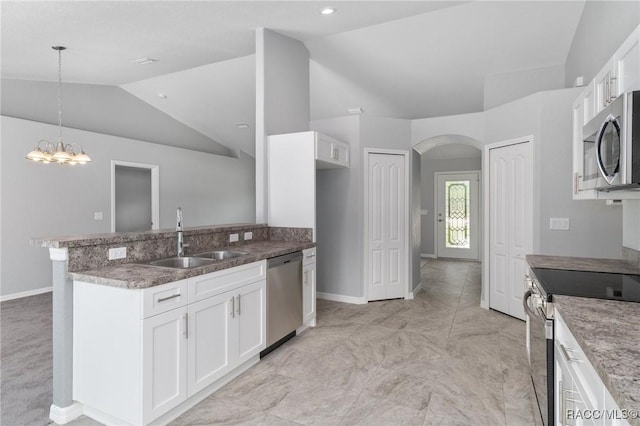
(251, 316)
(209, 340)
(386, 226)
(457, 229)
(510, 225)
(164, 362)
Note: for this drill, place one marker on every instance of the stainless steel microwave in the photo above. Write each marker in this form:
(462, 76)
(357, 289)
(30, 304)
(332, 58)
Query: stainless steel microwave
(611, 154)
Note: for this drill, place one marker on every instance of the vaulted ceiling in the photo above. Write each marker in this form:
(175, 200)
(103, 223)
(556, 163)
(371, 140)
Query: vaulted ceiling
(394, 58)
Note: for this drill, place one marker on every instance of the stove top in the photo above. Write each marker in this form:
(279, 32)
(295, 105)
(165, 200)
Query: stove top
(597, 285)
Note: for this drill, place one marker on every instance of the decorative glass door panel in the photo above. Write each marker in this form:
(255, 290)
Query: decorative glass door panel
(457, 210)
(457, 228)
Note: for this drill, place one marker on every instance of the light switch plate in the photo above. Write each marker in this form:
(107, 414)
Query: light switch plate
(97, 216)
(248, 236)
(559, 223)
(117, 253)
(233, 238)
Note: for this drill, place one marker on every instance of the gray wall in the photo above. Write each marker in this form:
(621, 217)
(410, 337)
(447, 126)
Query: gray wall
(220, 190)
(117, 113)
(428, 169)
(502, 88)
(596, 230)
(340, 201)
(339, 214)
(282, 98)
(602, 29)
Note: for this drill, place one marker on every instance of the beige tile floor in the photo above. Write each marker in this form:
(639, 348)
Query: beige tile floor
(436, 360)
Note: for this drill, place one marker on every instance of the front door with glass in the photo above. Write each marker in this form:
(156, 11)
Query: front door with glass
(457, 229)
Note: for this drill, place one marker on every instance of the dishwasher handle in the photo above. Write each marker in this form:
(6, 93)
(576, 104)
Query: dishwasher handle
(281, 260)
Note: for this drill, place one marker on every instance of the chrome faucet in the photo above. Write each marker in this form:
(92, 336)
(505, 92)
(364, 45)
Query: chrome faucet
(181, 244)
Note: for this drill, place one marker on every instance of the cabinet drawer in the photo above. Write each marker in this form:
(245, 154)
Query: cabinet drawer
(309, 256)
(162, 298)
(218, 282)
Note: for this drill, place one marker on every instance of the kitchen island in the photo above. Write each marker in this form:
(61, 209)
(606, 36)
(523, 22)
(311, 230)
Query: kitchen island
(108, 309)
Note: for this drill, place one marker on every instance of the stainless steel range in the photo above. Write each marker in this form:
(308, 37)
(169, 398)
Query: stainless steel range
(541, 285)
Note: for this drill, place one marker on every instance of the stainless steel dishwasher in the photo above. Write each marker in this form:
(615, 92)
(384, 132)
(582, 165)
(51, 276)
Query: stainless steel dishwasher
(284, 298)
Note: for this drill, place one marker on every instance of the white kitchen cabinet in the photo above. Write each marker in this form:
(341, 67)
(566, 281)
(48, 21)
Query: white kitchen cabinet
(309, 287)
(627, 64)
(140, 354)
(605, 86)
(291, 184)
(581, 398)
(164, 351)
(209, 341)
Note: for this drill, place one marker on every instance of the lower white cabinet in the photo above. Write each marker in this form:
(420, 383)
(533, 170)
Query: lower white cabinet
(309, 287)
(133, 364)
(581, 398)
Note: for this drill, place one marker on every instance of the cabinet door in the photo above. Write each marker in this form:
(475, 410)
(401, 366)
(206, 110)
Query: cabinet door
(627, 64)
(605, 86)
(210, 358)
(164, 375)
(250, 317)
(309, 293)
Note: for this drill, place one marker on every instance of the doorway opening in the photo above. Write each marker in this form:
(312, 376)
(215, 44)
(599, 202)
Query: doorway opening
(134, 196)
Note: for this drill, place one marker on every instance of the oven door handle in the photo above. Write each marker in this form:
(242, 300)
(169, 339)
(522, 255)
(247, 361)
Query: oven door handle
(527, 308)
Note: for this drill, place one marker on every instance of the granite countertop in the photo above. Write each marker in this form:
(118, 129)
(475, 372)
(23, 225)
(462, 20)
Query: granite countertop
(139, 275)
(608, 332)
(581, 264)
(124, 237)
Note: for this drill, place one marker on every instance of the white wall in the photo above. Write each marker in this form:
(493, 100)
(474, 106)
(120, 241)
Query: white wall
(602, 29)
(469, 125)
(631, 224)
(282, 98)
(428, 168)
(506, 87)
(50, 200)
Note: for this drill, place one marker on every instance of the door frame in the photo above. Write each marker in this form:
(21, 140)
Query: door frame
(486, 202)
(478, 204)
(407, 204)
(155, 190)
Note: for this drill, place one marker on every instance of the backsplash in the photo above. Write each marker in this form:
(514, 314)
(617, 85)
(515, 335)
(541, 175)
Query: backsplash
(91, 251)
(632, 256)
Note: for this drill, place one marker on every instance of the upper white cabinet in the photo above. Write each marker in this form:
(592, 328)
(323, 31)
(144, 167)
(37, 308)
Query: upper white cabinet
(620, 74)
(291, 184)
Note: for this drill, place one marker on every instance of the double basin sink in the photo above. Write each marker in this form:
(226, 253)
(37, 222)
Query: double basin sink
(199, 259)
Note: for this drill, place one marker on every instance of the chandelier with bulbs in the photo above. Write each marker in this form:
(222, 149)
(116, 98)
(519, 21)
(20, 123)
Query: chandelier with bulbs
(58, 152)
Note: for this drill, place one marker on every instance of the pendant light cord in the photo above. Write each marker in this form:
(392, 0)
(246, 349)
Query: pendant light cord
(60, 95)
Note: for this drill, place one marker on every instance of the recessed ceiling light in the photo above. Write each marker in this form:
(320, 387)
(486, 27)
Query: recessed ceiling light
(328, 10)
(144, 61)
(242, 125)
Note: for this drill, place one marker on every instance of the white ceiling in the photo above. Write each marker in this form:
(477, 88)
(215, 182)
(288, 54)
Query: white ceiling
(408, 59)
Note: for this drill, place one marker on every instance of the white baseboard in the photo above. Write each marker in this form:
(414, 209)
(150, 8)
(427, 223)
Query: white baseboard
(63, 415)
(25, 294)
(341, 298)
(415, 291)
(428, 255)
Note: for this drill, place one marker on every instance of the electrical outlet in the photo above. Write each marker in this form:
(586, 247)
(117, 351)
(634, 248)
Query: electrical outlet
(117, 253)
(248, 236)
(233, 238)
(97, 216)
(559, 223)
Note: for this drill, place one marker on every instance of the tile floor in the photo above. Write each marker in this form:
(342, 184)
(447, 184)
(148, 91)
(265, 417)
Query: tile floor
(436, 360)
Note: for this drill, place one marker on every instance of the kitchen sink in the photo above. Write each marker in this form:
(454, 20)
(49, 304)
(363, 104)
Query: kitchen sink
(181, 262)
(220, 254)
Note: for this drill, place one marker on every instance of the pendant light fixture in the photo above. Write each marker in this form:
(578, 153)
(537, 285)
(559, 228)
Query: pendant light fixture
(59, 152)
